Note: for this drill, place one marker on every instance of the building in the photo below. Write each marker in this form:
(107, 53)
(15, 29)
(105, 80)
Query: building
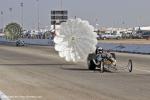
(58, 16)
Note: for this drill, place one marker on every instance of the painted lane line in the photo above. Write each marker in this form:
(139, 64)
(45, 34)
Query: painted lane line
(3, 96)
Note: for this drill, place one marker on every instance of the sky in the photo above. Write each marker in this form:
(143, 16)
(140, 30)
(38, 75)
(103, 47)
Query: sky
(103, 13)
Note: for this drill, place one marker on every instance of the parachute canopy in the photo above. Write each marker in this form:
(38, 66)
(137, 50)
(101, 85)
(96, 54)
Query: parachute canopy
(76, 39)
(13, 31)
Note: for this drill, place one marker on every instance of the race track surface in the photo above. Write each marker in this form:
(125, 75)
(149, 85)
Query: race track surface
(37, 73)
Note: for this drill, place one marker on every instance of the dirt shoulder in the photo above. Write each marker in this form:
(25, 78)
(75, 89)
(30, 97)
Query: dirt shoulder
(127, 41)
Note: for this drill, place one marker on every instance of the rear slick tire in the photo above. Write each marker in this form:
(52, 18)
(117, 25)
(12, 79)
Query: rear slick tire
(101, 67)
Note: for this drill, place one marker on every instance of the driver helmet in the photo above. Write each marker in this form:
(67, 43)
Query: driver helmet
(99, 50)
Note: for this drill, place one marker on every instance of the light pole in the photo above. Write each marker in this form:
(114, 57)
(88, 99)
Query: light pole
(123, 24)
(60, 4)
(10, 10)
(38, 18)
(140, 21)
(2, 21)
(21, 5)
(96, 24)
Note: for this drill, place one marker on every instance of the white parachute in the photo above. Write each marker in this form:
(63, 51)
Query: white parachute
(75, 40)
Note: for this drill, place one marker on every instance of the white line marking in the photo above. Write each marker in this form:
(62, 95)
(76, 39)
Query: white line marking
(143, 70)
(3, 96)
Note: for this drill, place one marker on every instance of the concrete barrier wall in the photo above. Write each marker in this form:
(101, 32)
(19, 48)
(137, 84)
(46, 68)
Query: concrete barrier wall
(31, 41)
(38, 41)
(130, 48)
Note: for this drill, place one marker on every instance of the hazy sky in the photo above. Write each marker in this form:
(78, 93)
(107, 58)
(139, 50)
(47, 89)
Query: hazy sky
(117, 13)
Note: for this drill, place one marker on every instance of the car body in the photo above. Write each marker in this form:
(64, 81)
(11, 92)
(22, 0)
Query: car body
(92, 56)
(20, 43)
(107, 62)
(146, 35)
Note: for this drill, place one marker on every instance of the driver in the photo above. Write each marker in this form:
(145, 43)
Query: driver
(99, 50)
(100, 54)
(98, 58)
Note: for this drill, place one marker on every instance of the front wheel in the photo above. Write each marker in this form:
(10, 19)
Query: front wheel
(17, 44)
(130, 65)
(91, 65)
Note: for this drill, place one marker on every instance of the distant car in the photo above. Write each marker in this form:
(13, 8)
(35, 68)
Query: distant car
(111, 36)
(137, 34)
(98, 37)
(146, 35)
(19, 43)
(127, 35)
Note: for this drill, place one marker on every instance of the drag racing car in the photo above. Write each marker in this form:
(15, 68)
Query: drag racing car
(106, 61)
(20, 43)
